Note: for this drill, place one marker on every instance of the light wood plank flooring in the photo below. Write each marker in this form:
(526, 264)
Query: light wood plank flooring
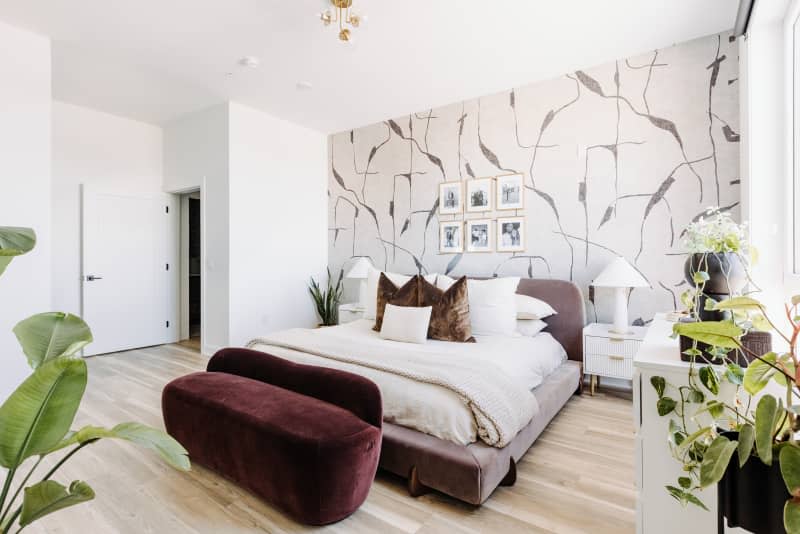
(578, 477)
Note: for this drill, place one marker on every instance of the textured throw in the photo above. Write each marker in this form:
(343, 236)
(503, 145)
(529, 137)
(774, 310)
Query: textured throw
(501, 407)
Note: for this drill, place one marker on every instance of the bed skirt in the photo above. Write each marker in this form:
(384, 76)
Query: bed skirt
(471, 473)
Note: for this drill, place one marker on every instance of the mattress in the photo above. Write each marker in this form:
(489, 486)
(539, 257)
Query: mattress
(428, 408)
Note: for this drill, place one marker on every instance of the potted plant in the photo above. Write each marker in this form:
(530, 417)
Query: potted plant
(326, 301)
(717, 247)
(760, 489)
(35, 420)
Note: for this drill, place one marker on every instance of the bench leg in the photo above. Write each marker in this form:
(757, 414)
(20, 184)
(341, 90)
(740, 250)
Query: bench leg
(415, 487)
(511, 476)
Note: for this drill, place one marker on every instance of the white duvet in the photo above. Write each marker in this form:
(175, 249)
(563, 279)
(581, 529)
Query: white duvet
(430, 408)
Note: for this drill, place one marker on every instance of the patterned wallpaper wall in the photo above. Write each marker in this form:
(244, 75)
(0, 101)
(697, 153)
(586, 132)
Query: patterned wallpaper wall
(616, 159)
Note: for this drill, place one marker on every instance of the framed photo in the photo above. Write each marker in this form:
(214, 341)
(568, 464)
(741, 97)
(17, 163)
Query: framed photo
(451, 201)
(479, 235)
(511, 234)
(451, 237)
(510, 192)
(479, 195)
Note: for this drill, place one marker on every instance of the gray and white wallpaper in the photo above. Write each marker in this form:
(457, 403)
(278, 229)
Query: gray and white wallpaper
(617, 159)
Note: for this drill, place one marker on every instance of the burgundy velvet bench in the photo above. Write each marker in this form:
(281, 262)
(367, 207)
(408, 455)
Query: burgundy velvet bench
(306, 439)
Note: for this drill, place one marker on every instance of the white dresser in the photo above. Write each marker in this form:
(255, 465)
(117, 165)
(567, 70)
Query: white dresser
(656, 511)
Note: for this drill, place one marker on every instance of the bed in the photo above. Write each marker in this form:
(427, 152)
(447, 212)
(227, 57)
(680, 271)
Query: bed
(430, 433)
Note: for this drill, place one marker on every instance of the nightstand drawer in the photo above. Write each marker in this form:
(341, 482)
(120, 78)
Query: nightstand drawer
(616, 366)
(626, 348)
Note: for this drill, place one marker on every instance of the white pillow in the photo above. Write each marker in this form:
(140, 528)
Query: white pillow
(492, 307)
(406, 324)
(530, 328)
(532, 308)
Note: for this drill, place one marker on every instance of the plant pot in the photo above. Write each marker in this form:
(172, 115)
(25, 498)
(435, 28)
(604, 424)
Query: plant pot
(725, 270)
(752, 497)
(758, 343)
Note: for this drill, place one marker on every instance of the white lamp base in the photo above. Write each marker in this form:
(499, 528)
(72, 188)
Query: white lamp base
(620, 325)
(362, 295)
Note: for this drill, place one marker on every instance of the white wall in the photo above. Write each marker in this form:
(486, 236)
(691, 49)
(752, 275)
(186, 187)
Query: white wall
(278, 222)
(99, 150)
(25, 184)
(196, 156)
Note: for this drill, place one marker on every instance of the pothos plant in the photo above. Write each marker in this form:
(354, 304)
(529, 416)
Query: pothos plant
(35, 436)
(766, 432)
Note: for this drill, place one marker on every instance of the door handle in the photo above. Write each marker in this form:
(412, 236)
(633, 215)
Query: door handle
(92, 278)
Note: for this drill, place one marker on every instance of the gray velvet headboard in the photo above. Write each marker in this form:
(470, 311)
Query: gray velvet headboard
(566, 298)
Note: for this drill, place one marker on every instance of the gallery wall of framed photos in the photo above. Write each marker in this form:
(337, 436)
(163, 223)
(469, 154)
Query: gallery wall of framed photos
(474, 225)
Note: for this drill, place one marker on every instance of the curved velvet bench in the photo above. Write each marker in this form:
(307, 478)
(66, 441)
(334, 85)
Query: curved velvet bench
(306, 439)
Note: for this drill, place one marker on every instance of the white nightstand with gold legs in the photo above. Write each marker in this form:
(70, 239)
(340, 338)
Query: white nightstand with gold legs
(607, 354)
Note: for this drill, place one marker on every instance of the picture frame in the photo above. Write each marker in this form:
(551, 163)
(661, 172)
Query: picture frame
(479, 195)
(478, 235)
(511, 234)
(510, 192)
(451, 237)
(451, 198)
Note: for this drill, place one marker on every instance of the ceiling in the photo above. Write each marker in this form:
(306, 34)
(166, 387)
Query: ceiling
(154, 60)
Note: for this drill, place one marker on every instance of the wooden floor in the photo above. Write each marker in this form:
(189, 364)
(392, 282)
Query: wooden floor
(578, 476)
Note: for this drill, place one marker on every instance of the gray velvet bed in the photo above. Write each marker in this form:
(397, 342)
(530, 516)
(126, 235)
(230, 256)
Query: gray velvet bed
(471, 473)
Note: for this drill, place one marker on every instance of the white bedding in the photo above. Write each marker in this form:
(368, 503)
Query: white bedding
(427, 407)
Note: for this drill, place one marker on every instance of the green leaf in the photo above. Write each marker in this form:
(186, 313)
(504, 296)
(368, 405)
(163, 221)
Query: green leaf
(716, 460)
(709, 378)
(693, 437)
(759, 373)
(685, 482)
(150, 438)
(791, 516)
(14, 242)
(660, 384)
(734, 373)
(767, 413)
(700, 277)
(715, 333)
(790, 468)
(665, 405)
(715, 409)
(696, 396)
(739, 303)
(685, 497)
(788, 365)
(747, 436)
(49, 496)
(40, 411)
(51, 335)
(795, 300)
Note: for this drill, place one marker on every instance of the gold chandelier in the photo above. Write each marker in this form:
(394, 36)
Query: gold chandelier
(342, 15)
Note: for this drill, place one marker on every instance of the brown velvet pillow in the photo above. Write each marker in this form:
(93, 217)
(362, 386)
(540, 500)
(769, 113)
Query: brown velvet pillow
(389, 293)
(450, 314)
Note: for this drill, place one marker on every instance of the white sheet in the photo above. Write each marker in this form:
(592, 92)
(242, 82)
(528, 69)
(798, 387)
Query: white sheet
(429, 408)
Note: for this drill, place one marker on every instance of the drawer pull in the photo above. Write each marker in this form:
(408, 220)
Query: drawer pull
(616, 358)
(616, 339)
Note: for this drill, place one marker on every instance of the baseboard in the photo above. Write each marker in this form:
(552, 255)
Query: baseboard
(209, 350)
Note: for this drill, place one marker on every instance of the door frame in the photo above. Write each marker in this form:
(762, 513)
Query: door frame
(184, 262)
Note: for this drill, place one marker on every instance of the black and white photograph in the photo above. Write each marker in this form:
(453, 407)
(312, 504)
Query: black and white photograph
(510, 192)
(479, 235)
(479, 195)
(451, 239)
(511, 234)
(450, 198)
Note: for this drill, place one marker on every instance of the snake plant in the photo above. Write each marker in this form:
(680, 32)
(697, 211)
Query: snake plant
(326, 301)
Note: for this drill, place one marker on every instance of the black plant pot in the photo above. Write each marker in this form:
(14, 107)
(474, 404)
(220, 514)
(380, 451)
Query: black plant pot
(757, 343)
(752, 497)
(725, 271)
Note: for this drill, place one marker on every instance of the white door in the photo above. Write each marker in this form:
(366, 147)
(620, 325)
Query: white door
(129, 271)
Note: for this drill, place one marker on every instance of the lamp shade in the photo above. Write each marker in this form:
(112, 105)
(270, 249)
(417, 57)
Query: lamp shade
(360, 269)
(620, 273)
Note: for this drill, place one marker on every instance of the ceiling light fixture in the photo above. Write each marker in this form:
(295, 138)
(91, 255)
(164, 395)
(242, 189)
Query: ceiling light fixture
(342, 15)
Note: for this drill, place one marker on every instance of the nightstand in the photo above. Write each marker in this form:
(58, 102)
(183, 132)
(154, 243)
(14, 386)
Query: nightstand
(350, 312)
(607, 354)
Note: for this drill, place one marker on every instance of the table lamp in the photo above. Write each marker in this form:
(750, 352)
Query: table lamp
(620, 275)
(360, 271)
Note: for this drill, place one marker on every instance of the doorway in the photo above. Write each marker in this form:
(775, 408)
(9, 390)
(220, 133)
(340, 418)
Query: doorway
(191, 270)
